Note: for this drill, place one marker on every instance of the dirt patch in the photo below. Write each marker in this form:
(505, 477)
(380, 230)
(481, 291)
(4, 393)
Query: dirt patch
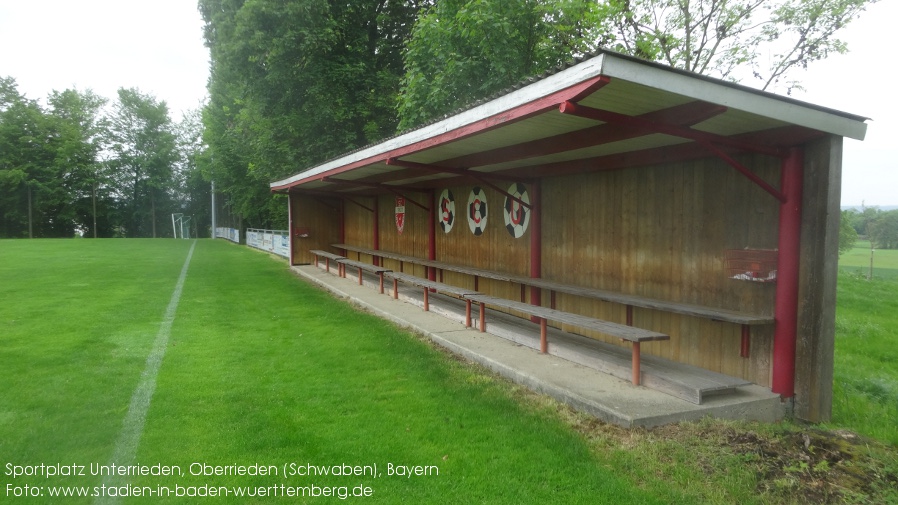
(813, 465)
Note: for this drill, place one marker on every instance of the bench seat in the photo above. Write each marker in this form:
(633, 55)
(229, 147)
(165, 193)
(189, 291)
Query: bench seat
(328, 257)
(377, 270)
(634, 335)
(439, 287)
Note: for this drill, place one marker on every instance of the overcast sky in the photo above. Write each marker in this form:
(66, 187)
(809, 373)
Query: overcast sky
(157, 46)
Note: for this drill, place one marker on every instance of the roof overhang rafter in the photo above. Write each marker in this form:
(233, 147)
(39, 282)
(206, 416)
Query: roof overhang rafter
(480, 177)
(709, 141)
(384, 187)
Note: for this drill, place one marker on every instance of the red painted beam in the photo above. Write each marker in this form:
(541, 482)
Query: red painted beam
(670, 154)
(683, 115)
(664, 128)
(524, 111)
(788, 262)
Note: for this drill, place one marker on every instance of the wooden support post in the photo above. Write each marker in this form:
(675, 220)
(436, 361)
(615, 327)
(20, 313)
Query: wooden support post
(635, 365)
(467, 313)
(360, 276)
(482, 317)
(543, 337)
(746, 340)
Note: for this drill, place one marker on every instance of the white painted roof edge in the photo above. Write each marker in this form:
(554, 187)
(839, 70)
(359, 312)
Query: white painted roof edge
(617, 67)
(556, 82)
(727, 94)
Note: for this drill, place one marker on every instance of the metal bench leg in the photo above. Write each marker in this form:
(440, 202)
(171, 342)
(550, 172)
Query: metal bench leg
(482, 317)
(543, 340)
(636, 363)
(467, 313)
(360, 276)
(426, 301)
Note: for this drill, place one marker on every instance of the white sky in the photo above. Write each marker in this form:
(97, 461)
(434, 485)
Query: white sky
(157, 47)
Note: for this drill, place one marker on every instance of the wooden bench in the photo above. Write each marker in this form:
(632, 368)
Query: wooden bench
(746, 320)
(379, 271)
(439, 287)
(629, 333)
(327, 259)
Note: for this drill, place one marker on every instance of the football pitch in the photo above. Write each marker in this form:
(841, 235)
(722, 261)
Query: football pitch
(175, 371)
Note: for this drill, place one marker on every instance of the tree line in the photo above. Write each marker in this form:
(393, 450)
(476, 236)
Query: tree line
(81, 165)
(878, 226)
(296, 82)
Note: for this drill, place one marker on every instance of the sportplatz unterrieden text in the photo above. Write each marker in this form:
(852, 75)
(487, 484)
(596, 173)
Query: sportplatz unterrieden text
(204, 469)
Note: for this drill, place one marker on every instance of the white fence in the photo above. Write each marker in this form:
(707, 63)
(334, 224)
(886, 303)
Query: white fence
(273, 241)
(231, 234)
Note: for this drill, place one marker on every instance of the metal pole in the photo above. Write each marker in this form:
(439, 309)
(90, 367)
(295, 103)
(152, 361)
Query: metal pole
(213, 209)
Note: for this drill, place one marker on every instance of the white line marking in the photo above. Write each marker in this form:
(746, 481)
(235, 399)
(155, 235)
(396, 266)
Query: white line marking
(132, 426)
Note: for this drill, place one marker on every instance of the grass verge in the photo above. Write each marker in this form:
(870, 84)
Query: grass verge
(264, 369)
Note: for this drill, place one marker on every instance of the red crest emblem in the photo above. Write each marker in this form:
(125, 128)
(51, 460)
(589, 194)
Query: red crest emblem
(400, 213)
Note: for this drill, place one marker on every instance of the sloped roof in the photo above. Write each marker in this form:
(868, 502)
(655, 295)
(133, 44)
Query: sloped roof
(609, 111)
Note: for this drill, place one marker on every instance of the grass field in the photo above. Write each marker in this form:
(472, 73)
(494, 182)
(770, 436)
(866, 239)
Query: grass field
(866, 359)
(857, 262)
(260, 368)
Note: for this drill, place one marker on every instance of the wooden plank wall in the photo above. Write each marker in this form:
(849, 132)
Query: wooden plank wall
(662, 232)
(322, 218)
(659, 232)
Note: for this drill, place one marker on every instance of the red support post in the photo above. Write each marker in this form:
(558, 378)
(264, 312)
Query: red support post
(482, 317)
(432, 234)
(788, 262)
(746, 341)
(289, 227)
(536, 242)
(376, 229)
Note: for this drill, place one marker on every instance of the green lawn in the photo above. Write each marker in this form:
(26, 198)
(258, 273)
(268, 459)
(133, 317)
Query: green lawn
(866, 359)
(857, 261)
(261, 368)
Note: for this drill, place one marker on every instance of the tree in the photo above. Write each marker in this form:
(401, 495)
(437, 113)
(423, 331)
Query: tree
(82, 130)
(464, 50)
(32, 194)
(142, 154)
(294, 83)
(729, 38)
(847, 233)
(884, 230)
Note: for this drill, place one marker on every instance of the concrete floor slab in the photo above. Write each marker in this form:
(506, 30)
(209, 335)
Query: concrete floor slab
(608, 398)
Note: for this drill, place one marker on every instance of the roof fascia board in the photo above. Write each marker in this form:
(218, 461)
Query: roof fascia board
(567, 78)
(731, 97)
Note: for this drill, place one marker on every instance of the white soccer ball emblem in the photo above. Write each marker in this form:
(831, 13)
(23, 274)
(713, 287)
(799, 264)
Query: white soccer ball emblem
(477, 211)
(517, 216)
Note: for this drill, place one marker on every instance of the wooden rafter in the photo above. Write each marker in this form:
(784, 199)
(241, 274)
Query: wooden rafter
(665, 128)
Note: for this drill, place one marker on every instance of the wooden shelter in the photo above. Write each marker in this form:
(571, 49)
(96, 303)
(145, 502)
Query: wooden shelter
(626, 191)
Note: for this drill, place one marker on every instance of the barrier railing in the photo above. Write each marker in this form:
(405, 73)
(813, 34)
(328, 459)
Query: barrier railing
(273, 241)
(231, 234)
